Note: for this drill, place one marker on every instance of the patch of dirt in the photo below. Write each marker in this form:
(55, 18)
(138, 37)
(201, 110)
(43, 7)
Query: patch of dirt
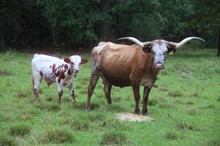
(133, 117)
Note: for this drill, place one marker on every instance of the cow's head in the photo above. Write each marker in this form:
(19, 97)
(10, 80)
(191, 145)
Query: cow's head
(160, 48)
(75, 62)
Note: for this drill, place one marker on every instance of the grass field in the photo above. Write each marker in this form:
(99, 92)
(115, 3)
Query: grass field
(185, 103)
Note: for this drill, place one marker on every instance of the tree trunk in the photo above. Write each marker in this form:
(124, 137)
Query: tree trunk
(218, 53)
(105, 29)
(55, 35)
(2, 26)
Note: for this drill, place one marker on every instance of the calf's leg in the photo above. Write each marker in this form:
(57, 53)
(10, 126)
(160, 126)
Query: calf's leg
(36, 86)
(59, 88)
(71, 91)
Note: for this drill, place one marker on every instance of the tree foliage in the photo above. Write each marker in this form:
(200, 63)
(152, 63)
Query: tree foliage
(83, 23)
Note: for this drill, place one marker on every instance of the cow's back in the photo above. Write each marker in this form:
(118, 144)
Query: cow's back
(116, 62)
(45, 64)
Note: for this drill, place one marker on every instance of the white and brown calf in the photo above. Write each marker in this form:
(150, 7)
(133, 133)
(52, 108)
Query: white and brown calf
(53, 69)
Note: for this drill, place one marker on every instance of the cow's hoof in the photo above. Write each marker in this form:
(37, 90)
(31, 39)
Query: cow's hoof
(145, 113)
(137, 111)
(37, 100)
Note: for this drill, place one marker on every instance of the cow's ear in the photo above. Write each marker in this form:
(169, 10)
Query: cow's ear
(83, 61)
(171, 49)
(147, 48)
(67, 60)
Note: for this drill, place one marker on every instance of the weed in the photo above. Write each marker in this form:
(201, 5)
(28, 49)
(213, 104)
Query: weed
(196, 94)
(175, 94)
(49, 98)
(6, 73)
(183, 125)
(212, 142)
(21, 94)
(59, 136)
(167, 106)
(163, 89)
(26, 116)
(113, 138)
(153, 102)
(79, 125)
(172, 136)
(7, 141)
(191, 111)
(208, 107)
(49, 107)
(218, 98)
(19, 130)
(184, 102)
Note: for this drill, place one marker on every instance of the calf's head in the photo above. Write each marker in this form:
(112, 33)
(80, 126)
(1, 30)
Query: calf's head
(160, 48)
(75, 62)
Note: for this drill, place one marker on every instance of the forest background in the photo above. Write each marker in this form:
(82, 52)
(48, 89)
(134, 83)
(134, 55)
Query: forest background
(74, 24)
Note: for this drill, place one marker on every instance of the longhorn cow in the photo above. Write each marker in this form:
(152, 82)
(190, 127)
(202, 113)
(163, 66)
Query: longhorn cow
(130, 65)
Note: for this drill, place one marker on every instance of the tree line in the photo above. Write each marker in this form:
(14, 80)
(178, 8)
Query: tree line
(83, 23)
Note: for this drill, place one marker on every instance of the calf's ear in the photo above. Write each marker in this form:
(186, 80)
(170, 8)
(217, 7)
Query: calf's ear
(67, 60)
(83, 61)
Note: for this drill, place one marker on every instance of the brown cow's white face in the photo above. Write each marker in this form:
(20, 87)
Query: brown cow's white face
(160, 49)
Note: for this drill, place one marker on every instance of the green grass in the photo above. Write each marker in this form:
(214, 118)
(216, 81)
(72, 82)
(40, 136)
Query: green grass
(185, 103)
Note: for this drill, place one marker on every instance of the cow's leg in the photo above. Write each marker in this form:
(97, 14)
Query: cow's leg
(145, 100)
(93, 81)
(107, 89)
(71, 91)
(136, 89)
(59, 88)
(36, 86)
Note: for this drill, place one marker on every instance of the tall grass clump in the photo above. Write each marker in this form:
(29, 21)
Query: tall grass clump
(58, 137)
(113, 138)
(7, 141)
(19, 130)
(170, 135)
(183, 125)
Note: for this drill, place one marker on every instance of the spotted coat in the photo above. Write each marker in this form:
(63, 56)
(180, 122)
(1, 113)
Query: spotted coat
(53, 69)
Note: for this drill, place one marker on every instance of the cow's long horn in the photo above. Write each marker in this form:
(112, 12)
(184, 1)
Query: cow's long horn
(180, 44)
(136, 41)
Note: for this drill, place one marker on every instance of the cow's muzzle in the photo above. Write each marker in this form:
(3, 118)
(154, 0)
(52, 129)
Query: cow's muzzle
(158, 65)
